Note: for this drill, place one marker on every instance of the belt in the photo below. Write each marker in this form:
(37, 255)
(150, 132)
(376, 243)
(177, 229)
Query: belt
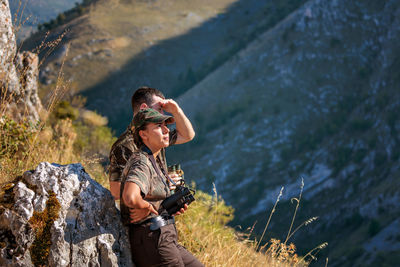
(157, 222)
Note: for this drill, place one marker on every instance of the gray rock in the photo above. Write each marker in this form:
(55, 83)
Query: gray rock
(87, 232)
(27, 66)
(18, 73)
(8, 49)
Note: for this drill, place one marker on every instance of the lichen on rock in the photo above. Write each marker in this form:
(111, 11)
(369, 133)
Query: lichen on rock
(41, 223)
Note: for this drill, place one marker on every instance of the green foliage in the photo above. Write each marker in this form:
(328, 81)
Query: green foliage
(365, 72)
(359, 155)
(15, 136)
(380, 159)
(360, 125)
(64, 110)
(395, 154)
(341, 157)
(67, 16)
(60, 18)
(93, 140)
(354, 221)
(335, 42)
(372, 141)
(383, 99)
(394, 69)
(386, 259)
(374, 227)
(355, 252)
(391, 120)
(292, 47)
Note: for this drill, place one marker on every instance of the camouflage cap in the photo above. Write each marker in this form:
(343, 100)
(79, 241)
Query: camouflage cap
(150, 115)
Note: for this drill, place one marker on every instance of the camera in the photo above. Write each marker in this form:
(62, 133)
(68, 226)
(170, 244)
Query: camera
(177, 201)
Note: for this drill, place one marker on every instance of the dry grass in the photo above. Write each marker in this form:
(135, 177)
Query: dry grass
(24, 143)
(92, 118)
(203, 231)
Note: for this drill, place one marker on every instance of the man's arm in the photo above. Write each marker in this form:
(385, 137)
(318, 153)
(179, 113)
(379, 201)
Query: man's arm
(119, 156)
(184, 128)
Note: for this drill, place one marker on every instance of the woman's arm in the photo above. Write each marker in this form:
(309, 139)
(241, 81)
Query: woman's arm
(132, 198)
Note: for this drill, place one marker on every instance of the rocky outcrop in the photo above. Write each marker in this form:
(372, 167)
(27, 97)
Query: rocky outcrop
(18, 73)
(57, 215)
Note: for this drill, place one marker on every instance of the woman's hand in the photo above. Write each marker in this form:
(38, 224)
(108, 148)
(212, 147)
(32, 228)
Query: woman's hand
(182, 210)
(137, 215)
(176, 178)
(151, 209)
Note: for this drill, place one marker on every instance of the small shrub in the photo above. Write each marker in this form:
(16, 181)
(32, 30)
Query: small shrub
(15, 136)
(342, 157)
(334, 42)
(380, 159)
(94, 119)
(355, 252)
(292, 47)
(364, 72)
(360, 125)
(64, 110)
(383, 99)
(354, 221)
(374, 227)
(61, 18)
(373, 140)
(359, 155)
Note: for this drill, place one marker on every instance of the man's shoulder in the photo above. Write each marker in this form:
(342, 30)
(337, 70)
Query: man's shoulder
(125, 140)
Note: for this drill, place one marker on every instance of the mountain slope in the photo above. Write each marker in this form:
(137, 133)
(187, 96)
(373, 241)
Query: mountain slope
(170, 45)
(314, 97)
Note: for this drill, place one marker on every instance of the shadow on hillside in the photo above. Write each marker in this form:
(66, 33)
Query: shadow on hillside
(177, 64)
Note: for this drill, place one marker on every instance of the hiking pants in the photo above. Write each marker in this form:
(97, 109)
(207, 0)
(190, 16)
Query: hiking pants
(159, 247)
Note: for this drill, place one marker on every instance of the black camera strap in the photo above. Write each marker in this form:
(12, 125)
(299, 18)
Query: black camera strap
(155, 165)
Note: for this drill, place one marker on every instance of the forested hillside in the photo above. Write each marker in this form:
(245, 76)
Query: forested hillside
(28, 14)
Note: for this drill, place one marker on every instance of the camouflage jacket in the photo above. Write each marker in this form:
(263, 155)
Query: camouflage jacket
(153, 187)
(123, 148)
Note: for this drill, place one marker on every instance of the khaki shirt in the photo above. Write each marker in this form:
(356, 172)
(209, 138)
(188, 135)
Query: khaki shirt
(153, 187)
(124, 147)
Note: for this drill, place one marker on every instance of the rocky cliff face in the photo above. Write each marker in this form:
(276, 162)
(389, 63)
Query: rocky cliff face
(58, 216)
(18, 73)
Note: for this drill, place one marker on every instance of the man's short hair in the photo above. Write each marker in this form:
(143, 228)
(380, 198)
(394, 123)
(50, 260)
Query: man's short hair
(144, 95)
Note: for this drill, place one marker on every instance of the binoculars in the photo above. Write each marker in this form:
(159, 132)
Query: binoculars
(171, 205)
(177, 201)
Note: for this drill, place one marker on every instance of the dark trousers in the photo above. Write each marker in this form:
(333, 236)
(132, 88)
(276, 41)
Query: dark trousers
(159, 248)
